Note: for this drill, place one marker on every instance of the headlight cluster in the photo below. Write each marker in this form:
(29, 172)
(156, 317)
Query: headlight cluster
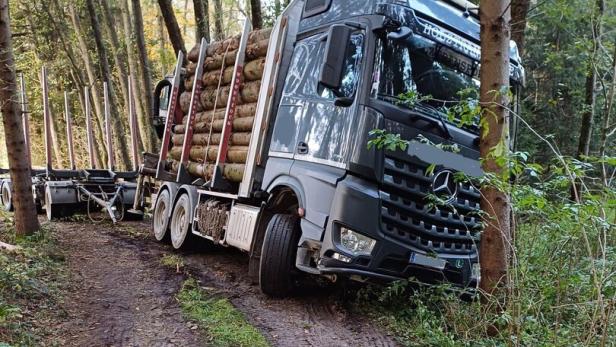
(356, 243)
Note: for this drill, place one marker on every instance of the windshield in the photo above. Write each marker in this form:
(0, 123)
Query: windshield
(424, 72)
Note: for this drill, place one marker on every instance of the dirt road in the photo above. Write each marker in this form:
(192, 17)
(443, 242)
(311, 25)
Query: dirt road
(121, 295)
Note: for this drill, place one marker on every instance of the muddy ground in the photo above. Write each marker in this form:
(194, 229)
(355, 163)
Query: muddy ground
(121, 295)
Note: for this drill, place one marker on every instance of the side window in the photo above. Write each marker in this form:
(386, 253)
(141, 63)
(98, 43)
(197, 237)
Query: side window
(354, 55)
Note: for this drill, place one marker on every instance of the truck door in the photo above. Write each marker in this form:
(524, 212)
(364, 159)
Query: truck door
(309, 126)
(325, 131)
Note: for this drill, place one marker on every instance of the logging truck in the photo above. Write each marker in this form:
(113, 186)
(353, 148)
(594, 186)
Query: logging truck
(265, 144)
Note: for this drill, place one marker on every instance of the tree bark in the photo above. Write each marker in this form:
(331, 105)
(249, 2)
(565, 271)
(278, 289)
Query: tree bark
(132, 59)
(26, 221)
(101, 148)
(175, 35)
(255, 14)
(218, 26)
(496, 245)
(605, 129)
(161, 42)
(118, 130)
(202, 17)
(591, 82)
(519, 11)
(116, 49)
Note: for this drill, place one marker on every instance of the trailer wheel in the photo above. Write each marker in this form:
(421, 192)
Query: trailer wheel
(278, 255)
(180, 223)
(160, 221)
(53, 211)
(7, 196)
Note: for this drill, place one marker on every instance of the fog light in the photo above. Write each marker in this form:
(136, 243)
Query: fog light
(341, 257)
(356, 243)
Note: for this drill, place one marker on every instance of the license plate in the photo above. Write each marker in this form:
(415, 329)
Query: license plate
(424, 260)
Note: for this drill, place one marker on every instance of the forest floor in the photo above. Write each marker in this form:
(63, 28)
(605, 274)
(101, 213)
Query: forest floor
(122, 291)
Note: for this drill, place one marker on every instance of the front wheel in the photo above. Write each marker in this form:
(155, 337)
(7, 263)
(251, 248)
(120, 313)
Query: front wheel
(180, 223)
(278, 255)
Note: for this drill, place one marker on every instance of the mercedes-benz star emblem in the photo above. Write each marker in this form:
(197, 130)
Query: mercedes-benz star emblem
(444, 186)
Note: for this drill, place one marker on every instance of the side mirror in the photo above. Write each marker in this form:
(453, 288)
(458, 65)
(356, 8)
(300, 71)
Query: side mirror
(335, 53)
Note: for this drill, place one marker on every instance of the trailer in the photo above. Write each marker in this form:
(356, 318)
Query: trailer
(289, 179)
(61, 193)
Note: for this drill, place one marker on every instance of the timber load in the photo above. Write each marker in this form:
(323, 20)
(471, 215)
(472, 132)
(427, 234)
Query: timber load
(211, 106)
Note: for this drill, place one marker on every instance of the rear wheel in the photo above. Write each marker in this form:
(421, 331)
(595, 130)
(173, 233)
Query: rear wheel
(278, 255)
(53, 212)
(160, 221)
(7, 196)
(180, 223)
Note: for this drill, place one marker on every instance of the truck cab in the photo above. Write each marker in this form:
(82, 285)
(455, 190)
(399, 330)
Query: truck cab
(325, 202)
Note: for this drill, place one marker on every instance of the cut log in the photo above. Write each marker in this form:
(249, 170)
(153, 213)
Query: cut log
(235, 154)
(10, 248)
(242, 111)
(193, 55)
(237, 139)
(191, 68)
(232, 172)
(211, 78)
(215, 62)
(257, 50)
(258, 35)
(253, 71)
(239, 125)
(185, 102)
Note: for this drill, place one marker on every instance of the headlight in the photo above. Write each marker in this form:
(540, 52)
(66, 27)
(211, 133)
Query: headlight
(356, 243)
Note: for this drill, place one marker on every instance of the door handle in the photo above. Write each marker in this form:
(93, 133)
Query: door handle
(302, 148)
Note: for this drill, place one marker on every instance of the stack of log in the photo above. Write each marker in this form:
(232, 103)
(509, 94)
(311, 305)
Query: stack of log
(211, 108)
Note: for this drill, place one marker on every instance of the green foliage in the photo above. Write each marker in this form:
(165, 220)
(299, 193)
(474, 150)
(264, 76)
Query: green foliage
(29, 285)
(223, 324)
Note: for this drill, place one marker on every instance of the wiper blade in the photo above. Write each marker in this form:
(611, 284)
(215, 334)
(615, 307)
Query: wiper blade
(429, 109)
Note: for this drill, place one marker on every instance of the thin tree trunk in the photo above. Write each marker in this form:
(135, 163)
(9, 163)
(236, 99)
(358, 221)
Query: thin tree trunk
(218, 26)
(606, 118)
(101, 149)
(201, 8)
(162, 48)
(173, 29)
(118, 130)
(495, 246)
(26, 221)
(255, 13)
(132, 61)
(145, 121)
(519, 11)
(591, 81)
(116, 48)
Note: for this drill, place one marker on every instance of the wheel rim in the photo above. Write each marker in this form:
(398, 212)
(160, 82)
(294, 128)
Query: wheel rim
(6, 196)
(160, 216)
(179, 223)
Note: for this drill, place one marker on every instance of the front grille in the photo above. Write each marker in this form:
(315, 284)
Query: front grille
(408, 216)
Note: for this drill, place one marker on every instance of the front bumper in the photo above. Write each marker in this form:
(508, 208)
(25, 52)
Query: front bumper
(357, 205)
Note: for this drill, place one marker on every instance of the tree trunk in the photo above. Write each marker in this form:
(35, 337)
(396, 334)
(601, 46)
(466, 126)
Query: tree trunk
(255, 13)
(591, 82)
(495, 246)
(26, 221)
(202, 18)
(118, 130)
(116, 49)
(605, 129)
(218, 27)
(175, 35)
(145, 121)
(132, 59)
(101, 149)
(519, 11)
(162, 47)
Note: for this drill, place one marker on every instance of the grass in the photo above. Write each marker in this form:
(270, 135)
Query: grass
(222, 323)
(30, 282)
(173, 261)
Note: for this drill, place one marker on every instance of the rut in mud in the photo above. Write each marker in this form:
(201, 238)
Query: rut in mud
(121, 295)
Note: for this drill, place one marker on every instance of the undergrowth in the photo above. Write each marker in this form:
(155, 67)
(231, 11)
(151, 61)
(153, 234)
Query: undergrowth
(29, 286)
(562, 276)
(222, 323)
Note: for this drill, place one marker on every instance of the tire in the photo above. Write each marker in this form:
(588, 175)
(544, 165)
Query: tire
(7, 196)
(180, 228)
(278, 255)
(160, 221)
(53, 211)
